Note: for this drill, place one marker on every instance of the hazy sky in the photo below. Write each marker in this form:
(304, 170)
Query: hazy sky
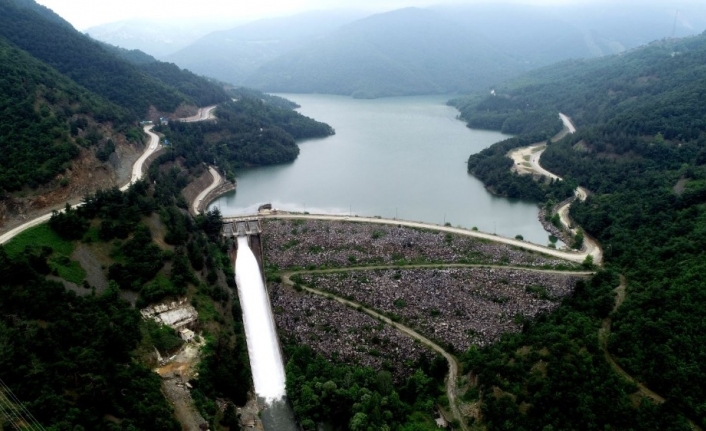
(86, 13)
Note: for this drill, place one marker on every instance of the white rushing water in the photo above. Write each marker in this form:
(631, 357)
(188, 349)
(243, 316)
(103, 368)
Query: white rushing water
(263, 347)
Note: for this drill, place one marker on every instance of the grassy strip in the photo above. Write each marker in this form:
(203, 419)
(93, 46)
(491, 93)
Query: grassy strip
(59, 261)
(39, 236)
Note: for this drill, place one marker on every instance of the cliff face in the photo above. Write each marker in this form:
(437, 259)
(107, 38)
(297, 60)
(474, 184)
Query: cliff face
(85, 175)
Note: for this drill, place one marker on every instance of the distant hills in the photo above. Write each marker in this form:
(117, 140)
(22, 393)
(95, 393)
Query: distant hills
(154, 36)
(442, 49)
(236, 54)
(409, 51)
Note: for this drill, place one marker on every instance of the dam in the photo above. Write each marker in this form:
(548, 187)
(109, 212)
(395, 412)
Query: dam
(266, 361)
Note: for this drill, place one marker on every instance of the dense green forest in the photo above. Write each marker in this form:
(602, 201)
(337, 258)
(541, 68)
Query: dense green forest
(46, 117)
(68, 357)
(510, 114)
(81, 362)
(201, 90)
(96, 68)
(134, 56)
(249, 132)
(359, 398)
(640, 150)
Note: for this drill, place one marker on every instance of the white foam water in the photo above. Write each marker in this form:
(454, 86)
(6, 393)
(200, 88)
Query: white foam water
(263, 346)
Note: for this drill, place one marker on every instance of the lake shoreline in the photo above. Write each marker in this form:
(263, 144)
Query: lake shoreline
(398, 157)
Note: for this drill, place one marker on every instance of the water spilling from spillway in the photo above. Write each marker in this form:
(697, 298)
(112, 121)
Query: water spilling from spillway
(263, 347)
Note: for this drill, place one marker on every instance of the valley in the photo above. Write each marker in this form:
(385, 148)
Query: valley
(476, 217)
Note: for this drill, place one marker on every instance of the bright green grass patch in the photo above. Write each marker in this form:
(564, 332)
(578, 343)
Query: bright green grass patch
(207, 312)
(93, 235)
(41, 235)
(421, 421)
(69, 270)
(59, 261)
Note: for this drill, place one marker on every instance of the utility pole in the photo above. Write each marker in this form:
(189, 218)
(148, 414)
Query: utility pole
(674, 27)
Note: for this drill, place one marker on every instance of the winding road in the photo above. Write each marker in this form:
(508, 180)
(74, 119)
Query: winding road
(526, 161)
(604, 336)
(152, 146)
(452, 361)
(137, 167)
(217, 181)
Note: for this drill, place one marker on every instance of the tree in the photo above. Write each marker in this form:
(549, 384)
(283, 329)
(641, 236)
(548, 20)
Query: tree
(578, 240)
(359, 422)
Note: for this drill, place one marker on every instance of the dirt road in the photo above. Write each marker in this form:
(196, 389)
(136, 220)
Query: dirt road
(526, 161)
(203, 115)
(604, 335)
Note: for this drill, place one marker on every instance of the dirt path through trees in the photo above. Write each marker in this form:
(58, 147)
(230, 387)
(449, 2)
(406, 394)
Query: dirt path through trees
(453, 363)
(604, 335)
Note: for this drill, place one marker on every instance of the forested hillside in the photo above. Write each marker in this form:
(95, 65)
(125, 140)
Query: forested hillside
(201, 90)
(74, 349)
(90, 64)
(249, 132)
(640, 150)
(62, 93)
(46, 119)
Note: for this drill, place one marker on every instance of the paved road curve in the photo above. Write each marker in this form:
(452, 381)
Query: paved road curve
(136, 175)
(204, 114)
(137, 167)
(217, 180)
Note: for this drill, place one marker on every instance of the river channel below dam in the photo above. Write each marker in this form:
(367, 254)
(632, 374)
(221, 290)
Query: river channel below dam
(401, 157)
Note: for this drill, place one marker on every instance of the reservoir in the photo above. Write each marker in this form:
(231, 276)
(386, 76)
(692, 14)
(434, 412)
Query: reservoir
(399, 157)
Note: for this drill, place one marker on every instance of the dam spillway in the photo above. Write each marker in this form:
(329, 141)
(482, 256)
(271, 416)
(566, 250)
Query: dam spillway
(263, 345)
